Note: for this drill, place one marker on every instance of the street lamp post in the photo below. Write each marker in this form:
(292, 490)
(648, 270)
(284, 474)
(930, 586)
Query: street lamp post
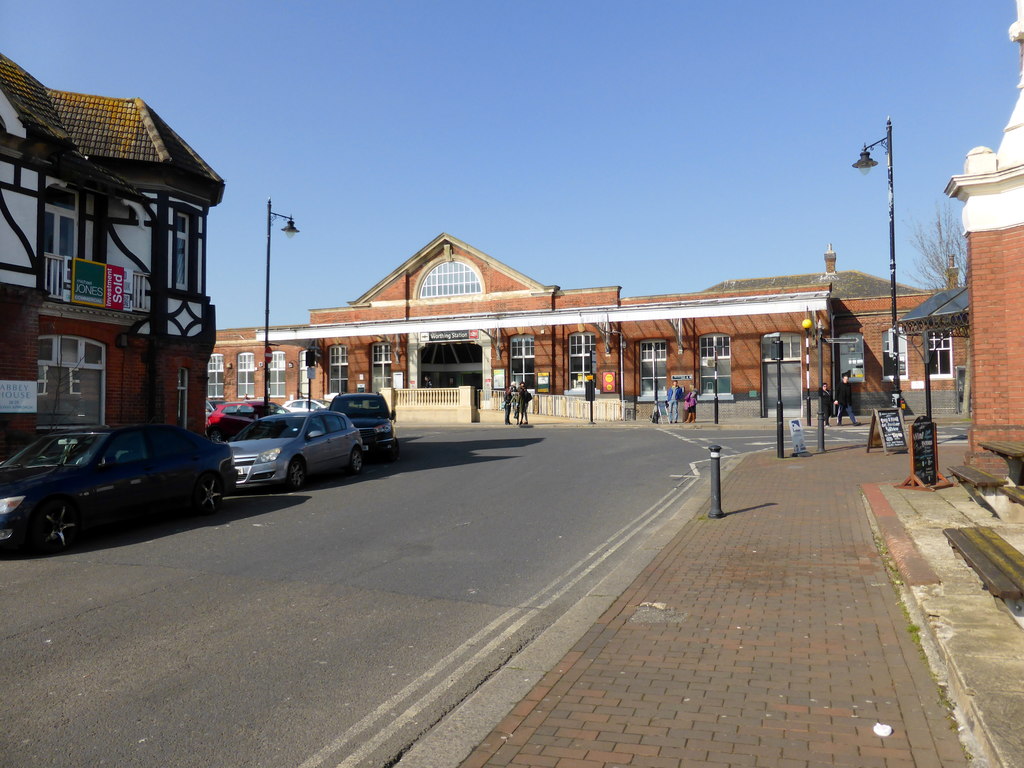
(290, 230)
(865, 164)
(819, 330)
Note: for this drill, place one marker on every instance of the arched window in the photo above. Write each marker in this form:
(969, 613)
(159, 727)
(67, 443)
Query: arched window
(580, 347)
(450, 278)
(70, 385)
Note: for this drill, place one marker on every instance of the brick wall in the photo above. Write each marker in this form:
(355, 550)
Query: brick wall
(996, 278)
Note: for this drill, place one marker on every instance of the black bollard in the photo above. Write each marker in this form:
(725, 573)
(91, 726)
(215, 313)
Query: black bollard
(716, 483)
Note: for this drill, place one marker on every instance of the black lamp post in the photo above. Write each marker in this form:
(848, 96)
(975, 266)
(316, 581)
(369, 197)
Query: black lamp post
(819, 330)
(290, 230)
(865, 164)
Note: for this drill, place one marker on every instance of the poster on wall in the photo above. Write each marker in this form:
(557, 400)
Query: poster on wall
(18, 396)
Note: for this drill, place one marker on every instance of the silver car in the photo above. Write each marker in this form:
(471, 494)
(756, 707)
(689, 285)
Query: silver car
(288, 447)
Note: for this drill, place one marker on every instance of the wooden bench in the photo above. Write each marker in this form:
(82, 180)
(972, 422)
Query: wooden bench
(993, 558)
(981, 486)
(1012, 452)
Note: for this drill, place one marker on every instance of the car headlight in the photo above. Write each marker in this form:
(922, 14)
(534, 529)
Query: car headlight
(10, 504)
(383, 428)
(268, 456)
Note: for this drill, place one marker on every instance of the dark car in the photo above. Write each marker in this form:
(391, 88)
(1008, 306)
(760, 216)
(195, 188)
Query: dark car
(370, 413)
(66, 482)
(228, 419)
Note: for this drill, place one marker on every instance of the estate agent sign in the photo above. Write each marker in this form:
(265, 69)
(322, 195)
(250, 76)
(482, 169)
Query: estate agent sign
(97, 285)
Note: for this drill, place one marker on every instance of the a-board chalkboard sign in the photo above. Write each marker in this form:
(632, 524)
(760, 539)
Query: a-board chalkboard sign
(886, 431)
(924, 468)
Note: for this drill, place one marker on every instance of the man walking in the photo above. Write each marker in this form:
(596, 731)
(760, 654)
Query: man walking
(844, 399)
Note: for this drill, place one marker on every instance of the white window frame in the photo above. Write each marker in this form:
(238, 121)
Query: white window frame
(887, 356)
(709, 344)
(81, 365)
(278, 366)
(180, 251)
(337, 356)
(246, 373)
(380, 358)
(215, 377)
(60, 236)
(940, 345)
(653, 367)
(580, 347)
(522, 360)
(791, 346)
(451, 278)
(848, 351)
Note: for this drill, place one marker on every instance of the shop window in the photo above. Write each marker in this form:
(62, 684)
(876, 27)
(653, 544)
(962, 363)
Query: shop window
(652, 367)
(580, 347)
(715, 358)
(70, 387)
(521, 361)
(337, 357)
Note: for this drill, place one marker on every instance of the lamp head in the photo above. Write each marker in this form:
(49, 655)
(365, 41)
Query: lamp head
(289, 229)
(807, 323)
(865, 163)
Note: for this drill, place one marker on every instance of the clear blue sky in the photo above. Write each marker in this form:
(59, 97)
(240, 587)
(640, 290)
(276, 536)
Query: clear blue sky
(660, 146)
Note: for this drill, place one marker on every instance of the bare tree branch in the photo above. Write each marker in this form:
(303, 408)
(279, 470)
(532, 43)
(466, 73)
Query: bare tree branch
(940, 244)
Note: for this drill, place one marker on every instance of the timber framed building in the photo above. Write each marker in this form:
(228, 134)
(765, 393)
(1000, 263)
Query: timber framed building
(103, 301)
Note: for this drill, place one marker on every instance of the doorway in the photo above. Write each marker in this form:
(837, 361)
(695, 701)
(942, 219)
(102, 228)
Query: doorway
(451, 364)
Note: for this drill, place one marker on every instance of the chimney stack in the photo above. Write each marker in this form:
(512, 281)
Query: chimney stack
(830, 261)
(952, 273)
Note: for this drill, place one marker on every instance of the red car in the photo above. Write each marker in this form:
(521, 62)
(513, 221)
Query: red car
(228, 419)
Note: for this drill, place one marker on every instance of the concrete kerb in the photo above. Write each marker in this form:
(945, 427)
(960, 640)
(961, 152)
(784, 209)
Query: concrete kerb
(502, 699)
(974, 647)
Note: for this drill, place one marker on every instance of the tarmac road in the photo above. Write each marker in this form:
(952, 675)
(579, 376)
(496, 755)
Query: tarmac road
(329, 627)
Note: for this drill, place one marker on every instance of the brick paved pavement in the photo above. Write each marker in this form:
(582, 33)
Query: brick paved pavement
(772, 638)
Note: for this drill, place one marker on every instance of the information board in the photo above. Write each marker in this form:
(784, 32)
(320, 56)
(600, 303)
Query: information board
(923, 452)
(924, 470)
(886, 431)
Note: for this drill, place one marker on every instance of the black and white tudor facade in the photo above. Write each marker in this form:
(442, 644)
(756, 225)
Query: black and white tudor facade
(103, 296)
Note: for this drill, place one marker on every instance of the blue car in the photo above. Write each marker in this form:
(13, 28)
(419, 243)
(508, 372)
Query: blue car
(66, 482)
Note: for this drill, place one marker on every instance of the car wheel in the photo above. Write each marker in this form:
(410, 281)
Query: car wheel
(208, 494)
(355, 461)
(215, 434)
(54, 527)
(296, 476)
(393, 451)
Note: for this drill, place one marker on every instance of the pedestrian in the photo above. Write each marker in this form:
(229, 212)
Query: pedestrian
(844, 400)
(672, 397)
(507, 404)
(524, 404)
(827, 399)
(690, 406)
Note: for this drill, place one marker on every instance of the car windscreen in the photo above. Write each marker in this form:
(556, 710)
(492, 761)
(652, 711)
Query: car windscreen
(289, 426)
(55, 450)
(362, 407)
